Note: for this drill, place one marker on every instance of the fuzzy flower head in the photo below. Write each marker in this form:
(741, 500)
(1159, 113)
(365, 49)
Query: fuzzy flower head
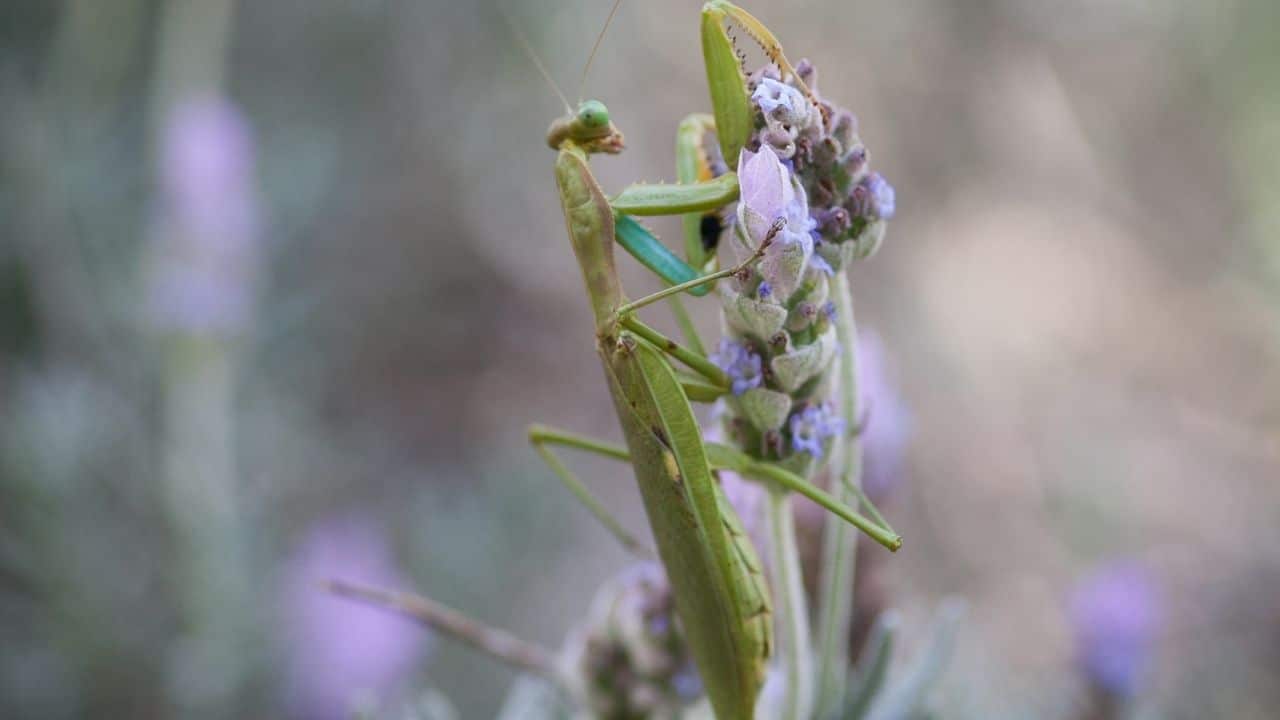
(1116, 615)
(743, 366)
(812, 426)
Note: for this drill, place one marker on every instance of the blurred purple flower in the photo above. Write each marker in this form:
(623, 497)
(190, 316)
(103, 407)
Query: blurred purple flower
(1116, 614)
(888, 422)
(205, 252)
(342, 653)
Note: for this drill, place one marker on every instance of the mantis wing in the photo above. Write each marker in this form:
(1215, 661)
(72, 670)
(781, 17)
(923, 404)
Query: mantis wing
(719, 591)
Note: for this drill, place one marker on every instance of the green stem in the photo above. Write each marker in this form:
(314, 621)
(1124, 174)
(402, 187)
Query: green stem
(839, 556)
(698, 363)
(774, 474)
(793, 619)
(626, 309)
(687, 328)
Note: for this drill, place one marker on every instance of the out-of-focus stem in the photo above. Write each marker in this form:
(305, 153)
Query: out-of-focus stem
(839, 544)
(212, 667)
(500, 644)
(793, 619)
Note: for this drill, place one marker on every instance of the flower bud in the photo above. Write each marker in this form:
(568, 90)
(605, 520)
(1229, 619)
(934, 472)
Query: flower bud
(796, 366)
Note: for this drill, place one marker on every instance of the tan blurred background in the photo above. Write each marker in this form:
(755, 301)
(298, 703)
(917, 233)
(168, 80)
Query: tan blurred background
(1078, 299)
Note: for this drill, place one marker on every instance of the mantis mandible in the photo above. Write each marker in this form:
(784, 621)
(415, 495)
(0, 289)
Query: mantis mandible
(721, 598)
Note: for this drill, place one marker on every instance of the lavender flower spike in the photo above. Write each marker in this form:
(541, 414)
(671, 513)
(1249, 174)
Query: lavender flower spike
(744, 367)
(1116, 615)
(205, 251)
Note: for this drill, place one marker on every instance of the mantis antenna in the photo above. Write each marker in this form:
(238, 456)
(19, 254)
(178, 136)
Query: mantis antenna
(583, 86)
(528, 50)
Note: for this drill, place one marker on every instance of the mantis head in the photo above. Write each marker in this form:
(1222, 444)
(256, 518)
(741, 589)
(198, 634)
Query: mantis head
(588, 127)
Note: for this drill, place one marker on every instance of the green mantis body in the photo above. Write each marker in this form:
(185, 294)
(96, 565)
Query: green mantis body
(722, 601)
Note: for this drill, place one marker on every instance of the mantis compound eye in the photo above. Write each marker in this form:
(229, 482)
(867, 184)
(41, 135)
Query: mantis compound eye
(593, 114)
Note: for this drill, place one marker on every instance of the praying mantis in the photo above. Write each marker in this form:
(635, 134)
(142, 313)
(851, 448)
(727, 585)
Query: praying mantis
(721, 597)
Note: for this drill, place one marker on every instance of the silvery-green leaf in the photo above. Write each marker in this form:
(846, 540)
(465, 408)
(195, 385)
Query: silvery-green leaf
(431, 704)
(748, 315)
(765, 409)
(795, 367)
(869, 674)
(785, 261)
(817, 296)
(905, 696)
(533, 698)
(836, 254)
(868, 241)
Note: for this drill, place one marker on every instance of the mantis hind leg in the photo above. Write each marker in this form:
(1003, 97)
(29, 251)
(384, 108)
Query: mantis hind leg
(543, 438)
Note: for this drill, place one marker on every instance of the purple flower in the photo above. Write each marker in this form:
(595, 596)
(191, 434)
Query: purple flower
(205, 247)
(340, 652)
(811, 426)
(873, 198)
(1116, 614)
(820, 263)
(764, 291)
(882, 196)
(888, 421)
(743, 366)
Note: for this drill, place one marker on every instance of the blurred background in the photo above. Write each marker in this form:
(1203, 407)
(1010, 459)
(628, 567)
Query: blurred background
(282, 283)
